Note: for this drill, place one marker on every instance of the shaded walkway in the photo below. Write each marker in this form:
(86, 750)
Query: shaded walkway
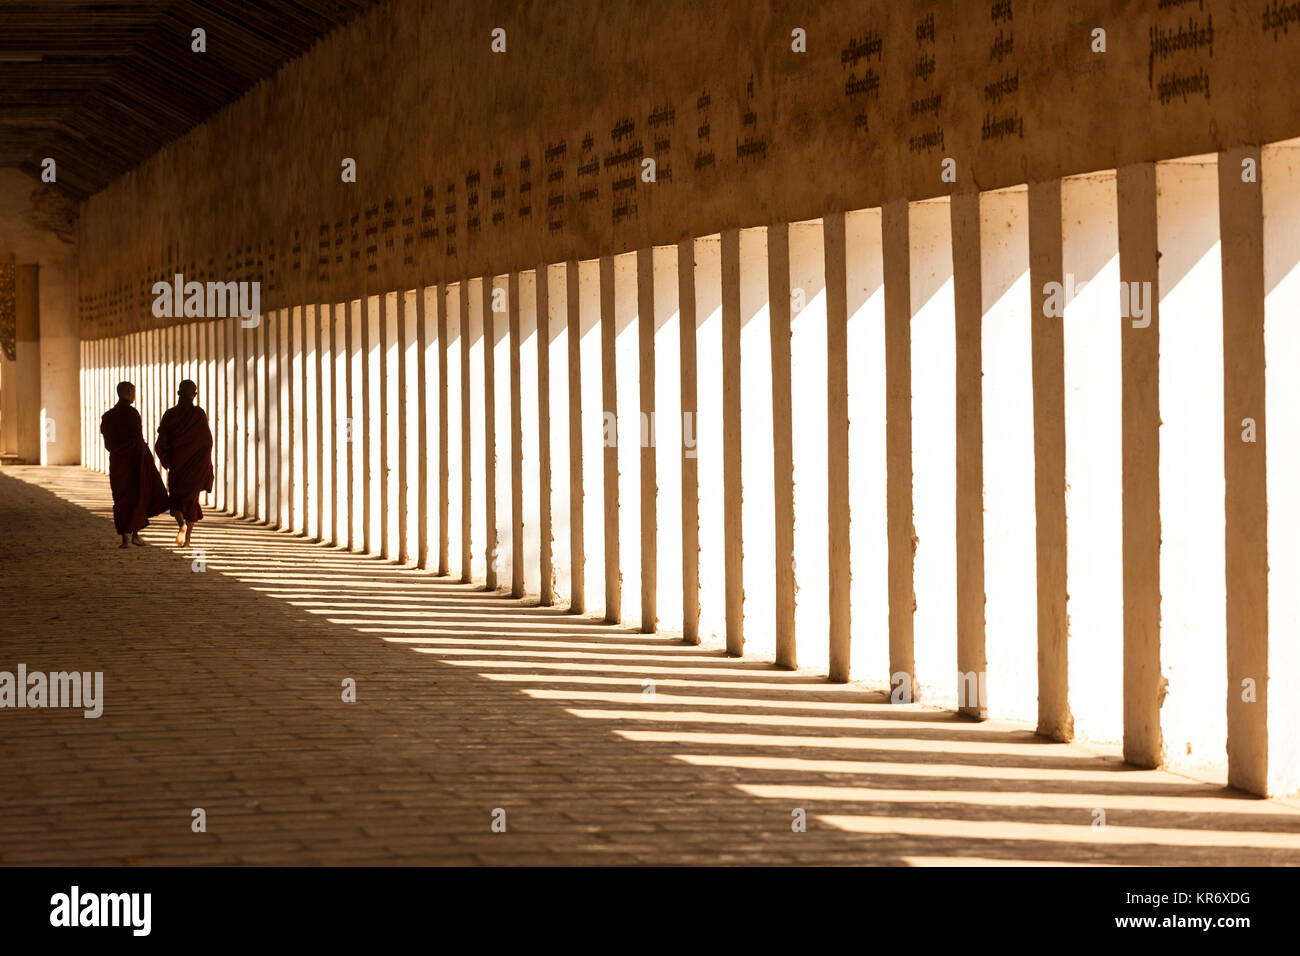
(222, 691)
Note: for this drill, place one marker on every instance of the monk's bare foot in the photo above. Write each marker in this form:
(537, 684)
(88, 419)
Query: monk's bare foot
(182, 538)
(137, 540)
(189, 528)
(123, 545)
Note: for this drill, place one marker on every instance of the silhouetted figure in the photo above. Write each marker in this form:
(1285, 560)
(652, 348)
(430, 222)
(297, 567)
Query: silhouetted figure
(138, 492)
(185, 448)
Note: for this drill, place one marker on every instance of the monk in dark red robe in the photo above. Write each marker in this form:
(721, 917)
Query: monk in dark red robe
(185, 448)
(138, 492)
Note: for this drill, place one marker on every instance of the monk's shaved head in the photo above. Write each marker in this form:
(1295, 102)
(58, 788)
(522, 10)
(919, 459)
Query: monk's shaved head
(124, 389)
(188, 389)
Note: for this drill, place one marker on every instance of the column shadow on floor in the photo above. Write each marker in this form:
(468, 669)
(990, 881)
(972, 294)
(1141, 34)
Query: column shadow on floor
(742, 745)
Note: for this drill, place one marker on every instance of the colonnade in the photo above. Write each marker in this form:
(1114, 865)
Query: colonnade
(1004, 451)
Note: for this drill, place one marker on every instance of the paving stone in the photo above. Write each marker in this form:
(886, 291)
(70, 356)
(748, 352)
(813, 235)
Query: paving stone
(222, 691)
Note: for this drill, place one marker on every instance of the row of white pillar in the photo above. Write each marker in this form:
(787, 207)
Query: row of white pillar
(864, 444)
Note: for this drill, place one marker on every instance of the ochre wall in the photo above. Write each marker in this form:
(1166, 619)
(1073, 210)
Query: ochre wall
(471, 162)
(38, 232)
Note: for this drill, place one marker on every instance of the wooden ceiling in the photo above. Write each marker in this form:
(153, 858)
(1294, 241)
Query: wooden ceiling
(101, 85)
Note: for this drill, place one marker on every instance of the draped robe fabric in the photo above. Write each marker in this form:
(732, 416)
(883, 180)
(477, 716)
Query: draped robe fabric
(138, 492)
(185, 448)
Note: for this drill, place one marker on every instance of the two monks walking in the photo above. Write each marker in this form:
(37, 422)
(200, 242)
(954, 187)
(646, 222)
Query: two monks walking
(138, 492)
(184, 447)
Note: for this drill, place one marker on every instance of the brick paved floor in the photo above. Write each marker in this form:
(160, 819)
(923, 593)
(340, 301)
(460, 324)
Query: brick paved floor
(223, 691)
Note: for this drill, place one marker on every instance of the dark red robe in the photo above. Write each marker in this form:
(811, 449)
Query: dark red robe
(138, 492)
(185, 448)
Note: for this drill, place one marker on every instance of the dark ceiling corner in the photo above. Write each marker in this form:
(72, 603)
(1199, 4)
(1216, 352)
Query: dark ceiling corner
(101, 86)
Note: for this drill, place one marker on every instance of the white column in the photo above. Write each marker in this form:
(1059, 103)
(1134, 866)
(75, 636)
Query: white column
(251, 423)
(577, 427)
(103, 395)
(342, 432)
(89, 421)
(192, 352)
(626, 322)
(410, 433)
(1139, 255)
(108, 394)
(127, 372)
(271, 421)
(703, 437)
(200, 376)
(375, 430)
(1093, 453)
(358, 431)
(501, 464)
(83, 389)
(213, 406)
(181, 355)
(158, 381)
(390, 421)
(1192, 582)
(262, 434)
(311, 423)
(239, 406)
(171, 369)
(1246, 567)
(475, 400)
(467, 396)
(808, 413)
(219, 415)
(555, 346)
(298, 400)
(593, 433)
(165, 395)
(757, 481)
(90, 398)
(933, 360)
(284, 417)
(169, 366)
(868, 507)
(1011, 620)
(431, 372)
(325, 452)
(237, 449)
(97, 401)
(146, 396)
(667, 432)
(647, 483)
(524, 426)
(454, 466)
(1280, 181)
(151, 373)
(59, 337)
